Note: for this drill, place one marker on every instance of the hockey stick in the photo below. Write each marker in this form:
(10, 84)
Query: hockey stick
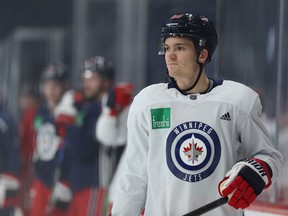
(56, 178)
(208, 207)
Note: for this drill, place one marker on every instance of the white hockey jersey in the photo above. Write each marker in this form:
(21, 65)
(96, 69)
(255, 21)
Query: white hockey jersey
(181, 146)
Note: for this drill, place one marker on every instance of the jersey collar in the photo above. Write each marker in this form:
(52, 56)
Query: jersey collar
(215, 84)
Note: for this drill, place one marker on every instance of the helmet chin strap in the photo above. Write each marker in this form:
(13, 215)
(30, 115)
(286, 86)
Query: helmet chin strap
(201, 66)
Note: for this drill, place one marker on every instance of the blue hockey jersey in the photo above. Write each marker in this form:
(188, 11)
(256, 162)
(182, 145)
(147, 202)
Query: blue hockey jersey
(84, 148)
(51, 150)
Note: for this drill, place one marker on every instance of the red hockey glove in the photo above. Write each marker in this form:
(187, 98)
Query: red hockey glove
(61, 122)
(66, 111)
(119, 98)
(78, 97)
(245, 181)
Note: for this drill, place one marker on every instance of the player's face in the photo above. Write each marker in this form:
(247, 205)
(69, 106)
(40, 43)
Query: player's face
(92, 86)
(181, 60)
(52, 90)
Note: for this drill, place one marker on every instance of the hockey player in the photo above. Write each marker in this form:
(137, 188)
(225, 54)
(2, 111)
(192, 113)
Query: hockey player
(194, 139)
(111, 130)
(88, 178)
(9, 164)
(51, 193)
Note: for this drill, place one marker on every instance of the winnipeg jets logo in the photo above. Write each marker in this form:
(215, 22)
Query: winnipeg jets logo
(193, 151)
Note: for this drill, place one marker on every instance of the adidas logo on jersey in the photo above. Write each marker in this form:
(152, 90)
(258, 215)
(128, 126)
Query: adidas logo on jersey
(226, 117)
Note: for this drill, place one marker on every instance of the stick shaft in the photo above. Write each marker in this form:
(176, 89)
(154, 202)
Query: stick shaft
(208, 207)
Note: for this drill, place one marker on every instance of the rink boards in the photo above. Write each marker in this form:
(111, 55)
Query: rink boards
(266, 209)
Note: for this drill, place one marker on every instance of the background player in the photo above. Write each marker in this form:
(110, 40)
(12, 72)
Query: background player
(50, 193)
(89, 174)
(184, 136)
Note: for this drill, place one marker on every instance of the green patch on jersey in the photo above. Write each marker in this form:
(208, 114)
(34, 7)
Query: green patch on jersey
(38, 121)
(160, 118)
(79, 118)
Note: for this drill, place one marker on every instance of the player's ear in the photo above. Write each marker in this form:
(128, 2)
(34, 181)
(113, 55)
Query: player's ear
(203, 56)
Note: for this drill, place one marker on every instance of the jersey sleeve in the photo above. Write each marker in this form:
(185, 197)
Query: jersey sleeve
(131, 189)
(112, 130)
(255, 139)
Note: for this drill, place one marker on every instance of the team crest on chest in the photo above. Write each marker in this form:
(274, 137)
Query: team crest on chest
(193, 151)
(47, 142)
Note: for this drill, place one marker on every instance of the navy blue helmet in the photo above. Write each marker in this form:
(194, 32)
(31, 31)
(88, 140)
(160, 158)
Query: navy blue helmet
(100, 65)
(55, 71)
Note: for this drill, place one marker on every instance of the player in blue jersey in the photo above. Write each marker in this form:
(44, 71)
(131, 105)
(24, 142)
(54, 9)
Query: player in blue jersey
(88, 171)
(51, 192)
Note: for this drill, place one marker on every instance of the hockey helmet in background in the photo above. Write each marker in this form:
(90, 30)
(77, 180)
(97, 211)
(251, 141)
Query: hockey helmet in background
(55, 71)
(100, 65)
(199, 28)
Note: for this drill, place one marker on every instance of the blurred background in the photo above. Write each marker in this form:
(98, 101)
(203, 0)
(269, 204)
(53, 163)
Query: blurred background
(253, 42)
